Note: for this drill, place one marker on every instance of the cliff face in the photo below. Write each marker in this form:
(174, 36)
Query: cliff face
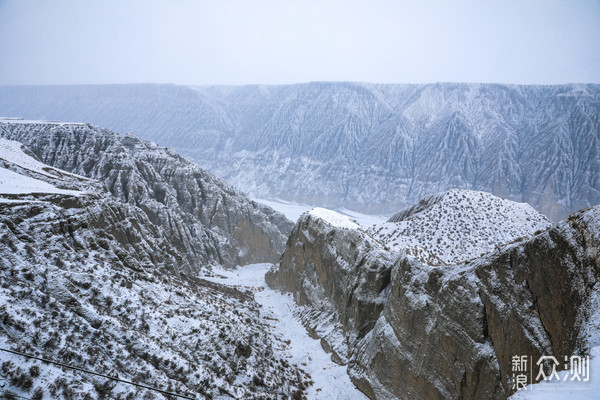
(443, 332)
(341, 274)
(200, 216)
(366, 147)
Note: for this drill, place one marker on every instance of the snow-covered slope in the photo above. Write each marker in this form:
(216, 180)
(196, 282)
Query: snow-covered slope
(14, 153)
(366, 147)
(333, 218)
(89, 280)
(458, 225)
(18, 172)
(15, 183)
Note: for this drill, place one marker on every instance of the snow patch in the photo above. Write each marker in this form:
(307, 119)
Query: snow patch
(290, 209)
(293, 210)
(333, 218)
(14, 183)
(11, 182)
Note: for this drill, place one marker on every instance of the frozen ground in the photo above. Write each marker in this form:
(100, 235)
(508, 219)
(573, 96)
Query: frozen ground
(330, 379)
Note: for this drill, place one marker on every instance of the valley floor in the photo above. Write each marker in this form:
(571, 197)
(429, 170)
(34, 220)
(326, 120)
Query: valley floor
(278, 311)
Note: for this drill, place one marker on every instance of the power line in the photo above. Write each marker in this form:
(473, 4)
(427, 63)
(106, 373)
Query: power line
(97, 374)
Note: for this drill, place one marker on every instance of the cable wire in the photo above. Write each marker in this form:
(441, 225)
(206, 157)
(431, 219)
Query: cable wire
(97, 374)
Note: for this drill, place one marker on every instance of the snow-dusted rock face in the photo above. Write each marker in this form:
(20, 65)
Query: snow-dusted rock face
(205, 220)
(88, 280)
(459, 225)
(332, 266)
(412, 330)
(371, 148)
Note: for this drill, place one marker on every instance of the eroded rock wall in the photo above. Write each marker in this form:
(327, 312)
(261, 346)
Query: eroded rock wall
(341, 275)
(202, 217)
(443, 332)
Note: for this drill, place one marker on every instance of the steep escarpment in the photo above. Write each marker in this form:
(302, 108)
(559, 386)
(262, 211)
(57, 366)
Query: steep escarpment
(201, 216)
(332, 266)
(367, 147)
(90, 281)
(454, 330)
(446, 331)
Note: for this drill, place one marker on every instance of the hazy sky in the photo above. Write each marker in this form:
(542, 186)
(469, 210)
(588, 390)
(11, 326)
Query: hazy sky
(279, 41)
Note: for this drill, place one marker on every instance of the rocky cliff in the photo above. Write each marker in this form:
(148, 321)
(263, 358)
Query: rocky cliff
(201, 217)
(411, 330)
(367, 147)
(340, 273)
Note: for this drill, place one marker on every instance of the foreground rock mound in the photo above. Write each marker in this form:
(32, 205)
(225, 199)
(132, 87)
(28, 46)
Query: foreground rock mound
(411, 330)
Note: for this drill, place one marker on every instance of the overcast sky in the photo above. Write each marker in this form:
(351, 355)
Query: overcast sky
(279, 41)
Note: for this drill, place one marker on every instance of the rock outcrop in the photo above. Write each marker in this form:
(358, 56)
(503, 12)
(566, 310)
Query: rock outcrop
(200, 216)
(341, 273)
(411, 330)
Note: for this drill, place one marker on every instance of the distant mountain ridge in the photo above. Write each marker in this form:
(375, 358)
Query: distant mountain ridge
(368, 147)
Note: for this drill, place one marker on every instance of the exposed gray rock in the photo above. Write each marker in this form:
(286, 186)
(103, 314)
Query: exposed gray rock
(205, 220)
(424, 332)
(342, 274)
